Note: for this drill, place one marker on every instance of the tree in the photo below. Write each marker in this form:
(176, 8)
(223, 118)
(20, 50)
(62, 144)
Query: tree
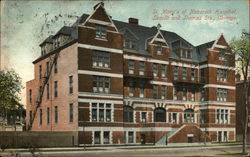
(241, 51)
(10, 88)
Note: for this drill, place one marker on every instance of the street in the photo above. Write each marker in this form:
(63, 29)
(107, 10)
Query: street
(226, 151)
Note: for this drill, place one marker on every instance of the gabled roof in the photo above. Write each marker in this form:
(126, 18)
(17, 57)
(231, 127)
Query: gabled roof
(144, 34)
(202, 50)
(47, 40)
(65, 30)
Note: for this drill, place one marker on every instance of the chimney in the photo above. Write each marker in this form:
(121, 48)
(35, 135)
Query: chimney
(133, 21)
(102, 4)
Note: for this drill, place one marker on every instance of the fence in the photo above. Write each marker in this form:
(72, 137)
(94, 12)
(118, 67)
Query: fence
(36, 139)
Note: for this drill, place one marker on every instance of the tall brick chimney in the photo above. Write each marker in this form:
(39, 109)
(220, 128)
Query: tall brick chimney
(133, 21)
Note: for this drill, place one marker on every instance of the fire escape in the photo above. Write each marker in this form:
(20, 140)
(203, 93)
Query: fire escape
(45, 79)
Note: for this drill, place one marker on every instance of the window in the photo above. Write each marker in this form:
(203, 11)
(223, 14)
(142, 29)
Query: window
(70, 84)
(47, 88)
(101, 59)
(30, 95)
(55, 67)
(48, 115)
(184, 73)
(155, 91)
(159, 48)
(130, 44)
(101, 32)
(56, 114)
(131, 91)
(189, 116)
(101, 84)
(160, 115)
(203, 94)
(47, 68)
(155, 70)
(71, 114)
(163, 71)
(175, 93)
(108, 112)
(30, 117)
(101, 112)
(193, 95)
(141, 92)
(163, 92)
(40, 71)
(97, 137)
(174, 117)
(222, 116)
(202, 116)
(221, 94)
(131, 67)
(130, 137)
(141, 68)
(55, 89)
(221, 55)
(219, 136)
(94, 112)
(175, 72)
(184, 94)
(143, 117)
(41, 117)
(106, 137)
(225, 136)
(128, 114)
(186, 53)
(40, 93)
(192, 74)
(222, 75)
(189, 54)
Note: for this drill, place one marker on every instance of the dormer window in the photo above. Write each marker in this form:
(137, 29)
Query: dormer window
(56, 43)
(101, 32)
(43, 50)
(130, 44)
(159, 48)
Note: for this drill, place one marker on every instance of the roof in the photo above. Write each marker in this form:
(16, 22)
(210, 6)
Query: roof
(65, 30)
(47, 40)
(142, 34)
(202, 52)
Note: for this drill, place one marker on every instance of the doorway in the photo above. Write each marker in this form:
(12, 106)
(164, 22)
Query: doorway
(143, 139)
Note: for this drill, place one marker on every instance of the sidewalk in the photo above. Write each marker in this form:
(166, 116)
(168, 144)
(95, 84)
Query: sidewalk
(123, 147)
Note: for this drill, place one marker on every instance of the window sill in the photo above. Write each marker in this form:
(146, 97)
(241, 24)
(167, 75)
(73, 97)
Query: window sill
(101, 68)
(101, 39)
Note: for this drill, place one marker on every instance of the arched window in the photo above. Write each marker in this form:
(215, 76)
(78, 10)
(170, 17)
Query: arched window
(160, 115)
(128, 114)
(189, 116)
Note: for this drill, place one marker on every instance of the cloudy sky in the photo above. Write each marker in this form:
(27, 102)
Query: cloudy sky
(25, 24)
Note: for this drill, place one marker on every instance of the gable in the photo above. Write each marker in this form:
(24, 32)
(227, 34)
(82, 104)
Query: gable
(220, 43)
(100, 17)
(159, 38)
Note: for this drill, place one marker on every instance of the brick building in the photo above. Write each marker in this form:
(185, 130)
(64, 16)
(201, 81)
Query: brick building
(241, 111)
(117, 82)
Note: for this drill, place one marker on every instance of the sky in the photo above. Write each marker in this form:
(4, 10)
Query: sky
(25, 24)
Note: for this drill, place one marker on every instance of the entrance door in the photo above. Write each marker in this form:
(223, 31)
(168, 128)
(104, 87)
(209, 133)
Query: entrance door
(190, 139)
(143, 139)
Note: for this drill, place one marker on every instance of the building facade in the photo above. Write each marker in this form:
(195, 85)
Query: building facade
(241, 111)
(117, 82)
